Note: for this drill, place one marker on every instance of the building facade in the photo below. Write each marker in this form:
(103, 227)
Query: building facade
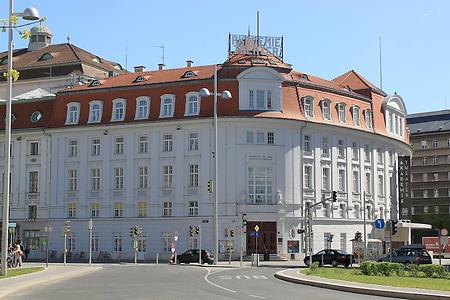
(137, 149)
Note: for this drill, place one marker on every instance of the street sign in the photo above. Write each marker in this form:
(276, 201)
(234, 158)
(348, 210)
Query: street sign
(256, 228)
(444, 231)
(254, 234)
(12, 225)
(44, 240)
(379, 223)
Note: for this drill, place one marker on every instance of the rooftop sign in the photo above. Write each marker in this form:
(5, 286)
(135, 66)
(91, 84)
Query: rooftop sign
(255, 45)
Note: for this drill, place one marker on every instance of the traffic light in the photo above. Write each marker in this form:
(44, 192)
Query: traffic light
(66, 227)
(191, 230)
(394, 227)
(300, 231)
(132, 231)
(244, 220)
(334, 196)
(197, 230)
(210, 186)
(231, 233)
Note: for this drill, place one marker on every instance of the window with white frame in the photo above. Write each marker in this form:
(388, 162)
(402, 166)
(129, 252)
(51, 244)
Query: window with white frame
(73, 113)
(167, 209)
(325, 146)
(167, 106)
(193, 141)
(95, 179)
(142, 108)
(71, 242)
(119, 107)
(260, 137)
(166, 241)
(307, 177)
(167, 142)
(423, 144)
(380, 184)
(118, 210)
(193, 175)
(94, 242)
(435, 160)
(119, 145)
(250, 136)
(251, 99)
(368, 183)
(143, 144)
(142, 209)
(436, 193)
(263, 99)
(355, 181)
(118, 178)
(435, 176)
(260, 101)
(167, 176)
(434, 144)
(71, 210)
(425, 193)
(34, 148)
(355, 151)
(143, 177)
(341, 149)
(368, 118)
(193, 208)
(73, 148)
(367, 153)
(341, 180)
(424, 160)
(341, 112)
(73, 180)
(380, 155)
(95, 111)
(192, 104)
(355, 115)
(95, 210)
(95, 147)
(260, 185)
(33, 185)
(118, 242)
(307, 143)
(308, 106)
(326, 109)
(270, 137)
(326, 179)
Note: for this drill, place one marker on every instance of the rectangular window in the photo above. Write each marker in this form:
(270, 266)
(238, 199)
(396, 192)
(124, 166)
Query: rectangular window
(95, 147)
(435, 176)
(119, 145)
(94, 242)
(168, 143)
(380, 156)
(34, 148)
(118, 210)
(425, 209)
(71, 210)
(307, 143)
(251, 99)
(193, 141)
(341, 111)
(143, 144)
(260, 137)
(118, 178)
(325, 146)
(260, 103)
(423, 144)
(193, 105)
(355, 181)
(118, 241)
(435, 160)
(355, 151)
(448, 175)
(166, 241)
(143, 176)
(326, 110)
(167, 176)
(307, 183)
(193, 208)
(73, 180)
(425, 193)
(326, 178)
(142, 209)
(341, 180)
(95, 210)
(434, 144)
(308, 107)
(167, 107)
(73, 148)
(33, 186)
(269, 99)
(193, 175)
(71, 242)
(424, 160)
(32, 212)
(343, 242)
(436, 193)
(367, 154)
(380, 185)
(341, 149)
(167, 209)
(368, 183)
(260, 185)
(448, 142)
(250, 137)
(95, 179)
(270, 138)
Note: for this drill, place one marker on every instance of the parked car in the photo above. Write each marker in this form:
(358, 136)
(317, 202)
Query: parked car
(412, 254)
(331, 257)
(191, 256)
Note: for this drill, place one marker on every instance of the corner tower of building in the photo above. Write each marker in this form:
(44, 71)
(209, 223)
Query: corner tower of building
(41, 37)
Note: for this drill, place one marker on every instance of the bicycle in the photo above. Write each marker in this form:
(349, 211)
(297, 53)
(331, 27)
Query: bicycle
(104, 255)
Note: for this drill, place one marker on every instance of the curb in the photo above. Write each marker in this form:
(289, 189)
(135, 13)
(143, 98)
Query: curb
(374, 290)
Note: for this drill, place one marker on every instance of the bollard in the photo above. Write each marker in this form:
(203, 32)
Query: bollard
(157, 259)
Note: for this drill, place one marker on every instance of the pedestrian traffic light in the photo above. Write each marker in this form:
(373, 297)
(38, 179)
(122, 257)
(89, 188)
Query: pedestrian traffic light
(210, 186)
(191, 230)
(231, 233)
(132, 231)
(66, 227)
(334, 196)
(197, 230)
(244, 220)
(358, 236)
(394, 227)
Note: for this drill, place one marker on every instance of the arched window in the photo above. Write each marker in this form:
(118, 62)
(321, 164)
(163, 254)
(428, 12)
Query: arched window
(326, 109)
(167, 106)
(118, 113)
(192, 104)
(73, 113)
(341, 112)
(95, 111)
(355, 115)
(142, 108)
(308, 106)
(368, 118)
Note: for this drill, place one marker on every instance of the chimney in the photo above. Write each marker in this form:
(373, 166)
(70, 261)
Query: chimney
(161, 67)
(138, 69)
(189, 63)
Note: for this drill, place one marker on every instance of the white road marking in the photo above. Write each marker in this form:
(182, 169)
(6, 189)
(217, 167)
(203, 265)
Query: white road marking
(243, 276)
(216, 285)
(255, 296)
(225, 277)
(259, 277)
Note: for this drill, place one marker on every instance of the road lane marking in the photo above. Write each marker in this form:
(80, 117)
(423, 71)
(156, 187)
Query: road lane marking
(243, 276)
(225, 277)
(255, 296)
(216, 285)
(260, 277)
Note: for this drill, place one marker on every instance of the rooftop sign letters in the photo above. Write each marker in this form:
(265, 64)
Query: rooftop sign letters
(255, 45)
(404, 191)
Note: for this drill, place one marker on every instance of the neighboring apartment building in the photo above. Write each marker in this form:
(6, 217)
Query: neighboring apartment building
(430, 139)
(136, 149)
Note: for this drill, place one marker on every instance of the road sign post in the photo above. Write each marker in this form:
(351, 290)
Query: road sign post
(256, 244)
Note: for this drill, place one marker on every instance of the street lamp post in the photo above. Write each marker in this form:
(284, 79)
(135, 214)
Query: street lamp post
(226, 95)
(28, 14)
(47, 229)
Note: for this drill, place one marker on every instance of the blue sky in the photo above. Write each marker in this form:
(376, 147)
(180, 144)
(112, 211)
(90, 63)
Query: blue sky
(324, 37)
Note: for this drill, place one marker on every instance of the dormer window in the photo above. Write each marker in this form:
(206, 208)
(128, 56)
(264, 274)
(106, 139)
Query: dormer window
(355, 115)
(36, 116)
(326, 109)
(118, 67)
(142, 108)
(308, 106)
(4, 61)
(140, 79)
(118, 113)
(304, 77)
(192, 104)
(167, 106)
(189, 74)
(95, 83)
(368, 118)
(46, 56)
(73, 113)
(95, 111)
(97, 60)
(341, 112)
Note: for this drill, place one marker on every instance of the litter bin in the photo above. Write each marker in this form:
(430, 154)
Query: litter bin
(266, 255)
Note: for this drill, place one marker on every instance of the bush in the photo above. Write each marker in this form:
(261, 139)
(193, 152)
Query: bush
(368, 268)
(414, 271)
(382, 269)
(314, 266)
(434, 271)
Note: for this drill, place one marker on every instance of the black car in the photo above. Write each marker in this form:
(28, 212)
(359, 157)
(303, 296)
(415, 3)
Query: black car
(191, 256)
(409, 255)
(331, 257)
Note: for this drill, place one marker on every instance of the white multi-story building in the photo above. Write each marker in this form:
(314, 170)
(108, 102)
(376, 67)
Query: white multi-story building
(137, 149)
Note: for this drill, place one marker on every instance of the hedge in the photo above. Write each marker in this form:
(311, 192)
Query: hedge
(371, 268)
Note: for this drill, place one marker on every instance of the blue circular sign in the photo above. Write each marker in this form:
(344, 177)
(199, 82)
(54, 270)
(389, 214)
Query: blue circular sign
(379, 223)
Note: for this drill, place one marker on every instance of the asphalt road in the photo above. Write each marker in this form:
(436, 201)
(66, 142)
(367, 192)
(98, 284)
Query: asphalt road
(181, 282)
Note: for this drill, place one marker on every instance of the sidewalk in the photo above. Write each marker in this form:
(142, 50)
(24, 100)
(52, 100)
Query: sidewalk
(53, 274)
(292, 275)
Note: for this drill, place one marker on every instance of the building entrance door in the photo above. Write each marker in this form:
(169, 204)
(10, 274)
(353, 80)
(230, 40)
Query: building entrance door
(267, 237)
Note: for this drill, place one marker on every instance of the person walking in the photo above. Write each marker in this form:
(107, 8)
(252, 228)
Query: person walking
(18, 255)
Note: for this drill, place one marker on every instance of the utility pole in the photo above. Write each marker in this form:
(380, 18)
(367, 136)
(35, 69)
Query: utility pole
(365, 228)
(199, 233)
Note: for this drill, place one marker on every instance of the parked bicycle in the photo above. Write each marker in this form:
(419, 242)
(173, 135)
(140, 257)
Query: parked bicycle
(104, 255)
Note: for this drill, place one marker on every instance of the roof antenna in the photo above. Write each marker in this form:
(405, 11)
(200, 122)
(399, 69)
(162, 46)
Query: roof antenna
(257, 29)
(126, 58)
(163, 56)
(381, 70)
(68, 38)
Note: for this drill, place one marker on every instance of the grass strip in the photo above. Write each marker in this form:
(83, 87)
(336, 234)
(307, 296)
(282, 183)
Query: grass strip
(21, 271)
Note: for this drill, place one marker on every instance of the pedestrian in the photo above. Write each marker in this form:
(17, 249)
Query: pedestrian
(18, 255)
(26, 252)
